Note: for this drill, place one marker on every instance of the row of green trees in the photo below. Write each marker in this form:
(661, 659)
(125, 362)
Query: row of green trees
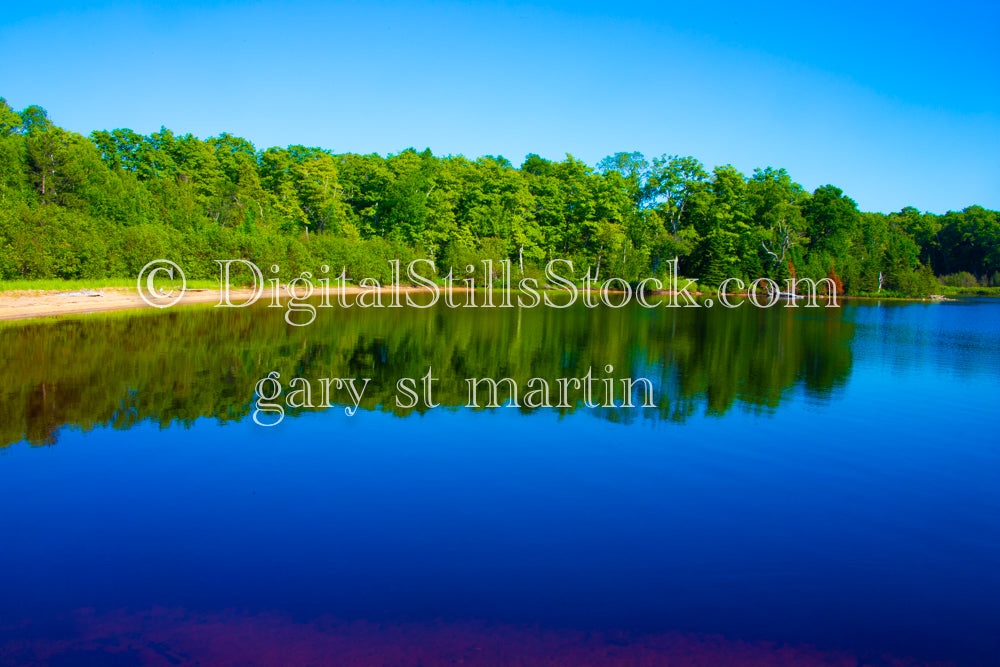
(104, 205)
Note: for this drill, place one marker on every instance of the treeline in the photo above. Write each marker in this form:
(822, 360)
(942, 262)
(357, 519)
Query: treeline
(104, 205)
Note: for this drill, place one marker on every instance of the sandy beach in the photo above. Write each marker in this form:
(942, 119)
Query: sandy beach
(30, 304)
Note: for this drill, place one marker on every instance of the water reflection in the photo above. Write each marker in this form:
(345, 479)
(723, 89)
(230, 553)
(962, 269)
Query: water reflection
(118, 369)
(848, 499)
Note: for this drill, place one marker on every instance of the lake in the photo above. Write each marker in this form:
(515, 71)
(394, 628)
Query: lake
(818, 484)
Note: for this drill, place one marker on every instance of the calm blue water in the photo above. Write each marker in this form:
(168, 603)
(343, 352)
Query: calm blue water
(864, 516)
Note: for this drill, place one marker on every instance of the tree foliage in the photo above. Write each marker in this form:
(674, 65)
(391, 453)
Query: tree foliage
(101, 206)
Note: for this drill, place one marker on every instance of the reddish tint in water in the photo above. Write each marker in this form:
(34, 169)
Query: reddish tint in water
(177, 637)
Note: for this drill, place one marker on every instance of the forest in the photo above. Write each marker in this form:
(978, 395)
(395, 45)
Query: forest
(76, 207)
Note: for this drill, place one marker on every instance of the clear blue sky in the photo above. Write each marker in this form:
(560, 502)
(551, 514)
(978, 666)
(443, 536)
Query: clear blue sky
(896, 104)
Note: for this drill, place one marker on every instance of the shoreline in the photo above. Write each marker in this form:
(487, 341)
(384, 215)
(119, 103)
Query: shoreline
(40, 304)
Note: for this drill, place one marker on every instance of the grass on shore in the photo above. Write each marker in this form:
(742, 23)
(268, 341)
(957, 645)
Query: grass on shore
(69, 285)
(968, 291)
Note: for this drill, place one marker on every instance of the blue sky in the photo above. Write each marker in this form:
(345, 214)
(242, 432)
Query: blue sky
(896, 104)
